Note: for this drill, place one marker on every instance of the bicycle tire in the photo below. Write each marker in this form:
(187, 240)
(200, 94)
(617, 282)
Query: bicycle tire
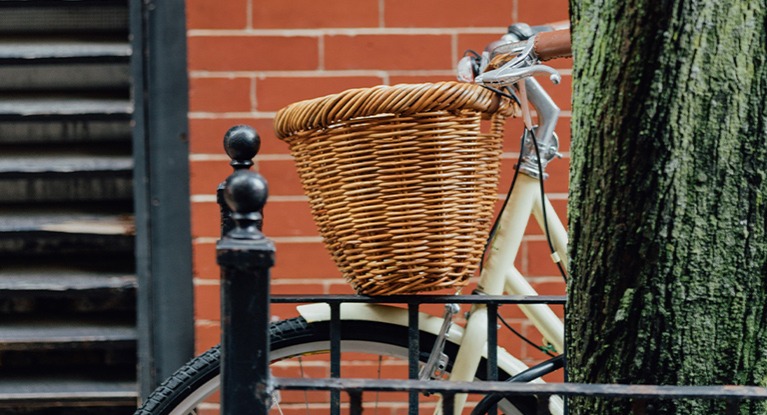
(199, 378)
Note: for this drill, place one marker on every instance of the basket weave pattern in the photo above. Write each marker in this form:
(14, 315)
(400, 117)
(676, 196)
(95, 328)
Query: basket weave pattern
(401, 181)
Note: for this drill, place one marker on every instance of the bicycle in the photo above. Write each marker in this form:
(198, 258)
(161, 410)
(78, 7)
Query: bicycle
(382, 330)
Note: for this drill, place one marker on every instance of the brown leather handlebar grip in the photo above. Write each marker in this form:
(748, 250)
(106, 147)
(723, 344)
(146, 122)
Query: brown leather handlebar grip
(550, 45)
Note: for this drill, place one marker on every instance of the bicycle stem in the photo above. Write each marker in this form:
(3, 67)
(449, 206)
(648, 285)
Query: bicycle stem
(548, 143)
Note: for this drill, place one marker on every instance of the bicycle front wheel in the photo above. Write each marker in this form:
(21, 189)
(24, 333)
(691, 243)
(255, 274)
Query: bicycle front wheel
(300, 349)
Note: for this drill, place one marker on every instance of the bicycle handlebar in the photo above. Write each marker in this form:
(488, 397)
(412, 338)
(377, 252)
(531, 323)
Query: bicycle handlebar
(551, 45)
(517, 55)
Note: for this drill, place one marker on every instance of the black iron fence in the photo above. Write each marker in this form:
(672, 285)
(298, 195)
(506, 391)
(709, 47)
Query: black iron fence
(246, 257)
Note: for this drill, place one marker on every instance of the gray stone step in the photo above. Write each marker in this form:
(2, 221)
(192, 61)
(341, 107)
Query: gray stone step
(61, 233)
(40, 390)
(38, 50)
(51, 281)
(64, 107)
(57, 16)
(51, 77)
(57, 334)
(65, 131)
(65, 177)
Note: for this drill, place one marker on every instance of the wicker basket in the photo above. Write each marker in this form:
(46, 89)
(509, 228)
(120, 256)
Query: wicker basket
(401, 181)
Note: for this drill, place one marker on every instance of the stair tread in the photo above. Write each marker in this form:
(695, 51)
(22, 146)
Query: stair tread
(51, 49)
(26, 333)
(18, 389)
(66, 222)
(52, 280)
(15, 106)
(65, 163)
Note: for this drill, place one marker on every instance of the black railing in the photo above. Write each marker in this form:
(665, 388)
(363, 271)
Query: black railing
(246, 257)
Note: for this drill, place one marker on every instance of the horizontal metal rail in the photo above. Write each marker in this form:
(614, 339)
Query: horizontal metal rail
(422, 299)
(542, 391)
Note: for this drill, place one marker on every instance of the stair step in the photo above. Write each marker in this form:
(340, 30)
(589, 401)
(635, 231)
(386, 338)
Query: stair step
(50, 334)
(66, 131)
(52, 282)
(62, 51)
(63, 233)
(31, 391)
(63, 163)
(65, 177)
(65, 107)
(41, 16)
(56, 290)
(72, 77)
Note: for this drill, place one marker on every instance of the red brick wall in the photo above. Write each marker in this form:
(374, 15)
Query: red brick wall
(249, 58)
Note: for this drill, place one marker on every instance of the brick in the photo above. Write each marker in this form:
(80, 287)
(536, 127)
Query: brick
(388, 52)
(419, 79)
(282, 177)
(207, 302)
(341, 287)
(304, 260)
(304, 14)
(206, 175)
(507, 174)
(509, 340)
(563, 132)
(280, 288)
(219, 94)
(207, 335)
(542, 11)
(513, 130)
(559, 176)
(273, 93)
(298, 398)
(560, 207)
(252, 53)
(207, 134)
(554, 285)
(210, 409)
(206, 14)
(561, 94)
(206, 220)
(204, 261)
(476, 41)
(314, 368)
(288, 219)
(561, 63)
(446, 13)
(539, 260)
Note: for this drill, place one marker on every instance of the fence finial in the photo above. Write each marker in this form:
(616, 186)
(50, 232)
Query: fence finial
(241, 144)
(245, 194)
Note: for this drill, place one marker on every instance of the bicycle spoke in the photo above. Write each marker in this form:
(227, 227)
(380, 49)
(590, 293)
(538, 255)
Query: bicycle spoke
(306, 393)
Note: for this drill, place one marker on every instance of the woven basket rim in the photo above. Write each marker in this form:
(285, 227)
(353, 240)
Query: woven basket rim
(401, 99)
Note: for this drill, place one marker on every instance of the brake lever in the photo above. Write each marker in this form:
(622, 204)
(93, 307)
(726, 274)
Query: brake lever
(507, 75)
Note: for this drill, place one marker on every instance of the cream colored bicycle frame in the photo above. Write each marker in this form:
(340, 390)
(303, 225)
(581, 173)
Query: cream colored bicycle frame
(499, 276)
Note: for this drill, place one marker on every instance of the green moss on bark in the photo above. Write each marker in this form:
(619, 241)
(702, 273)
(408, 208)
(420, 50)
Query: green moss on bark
(668, 220)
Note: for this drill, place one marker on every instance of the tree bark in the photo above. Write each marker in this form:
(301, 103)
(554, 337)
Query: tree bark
(668, 199)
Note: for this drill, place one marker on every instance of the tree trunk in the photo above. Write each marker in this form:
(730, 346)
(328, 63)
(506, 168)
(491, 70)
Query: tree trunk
(668, 199)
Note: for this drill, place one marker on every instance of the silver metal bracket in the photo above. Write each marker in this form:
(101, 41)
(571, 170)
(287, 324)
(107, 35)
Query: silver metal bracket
(529, 160)
(435, 368)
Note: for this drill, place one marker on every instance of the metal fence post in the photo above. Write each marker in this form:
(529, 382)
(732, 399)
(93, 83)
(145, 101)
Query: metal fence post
(245, 257)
